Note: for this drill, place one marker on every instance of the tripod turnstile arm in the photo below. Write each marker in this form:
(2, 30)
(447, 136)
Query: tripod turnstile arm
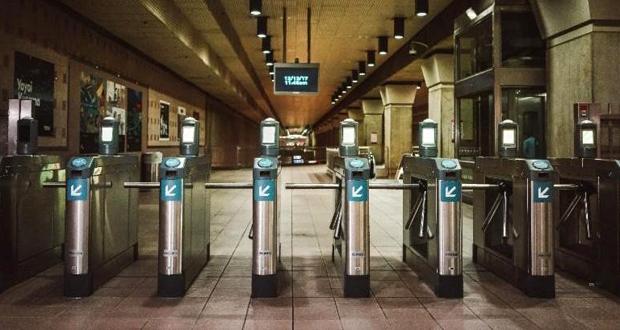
(423, 224)
(489, 218)
(586, 214)
(394, 186)
(414, 213)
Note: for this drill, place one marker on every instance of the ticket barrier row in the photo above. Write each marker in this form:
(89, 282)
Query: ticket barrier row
(31, 217)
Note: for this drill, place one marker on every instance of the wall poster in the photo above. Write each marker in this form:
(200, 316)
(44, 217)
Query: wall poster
(164, 121)
(116, 103)
(134, 120)
(92, 106)
(34, 80)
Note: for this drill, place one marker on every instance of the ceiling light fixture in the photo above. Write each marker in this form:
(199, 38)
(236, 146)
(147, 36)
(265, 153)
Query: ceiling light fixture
(370, 58)
(399, 27)
(349, 83)
(256, 7)
(361, 67)
(421, 8)
(271, 70)
(261, 27)
(383, 45)
(266, 45)
(355, 76)
(269, 58)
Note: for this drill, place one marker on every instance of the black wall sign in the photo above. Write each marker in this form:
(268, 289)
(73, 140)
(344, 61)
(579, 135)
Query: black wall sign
(296, 78)
(34, 80)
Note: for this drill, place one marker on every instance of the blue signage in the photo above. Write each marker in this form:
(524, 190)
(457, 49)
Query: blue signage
(543, 192)
(265, 190)
(357, 190)
(77, 189)
(171, 190)
(450, 191)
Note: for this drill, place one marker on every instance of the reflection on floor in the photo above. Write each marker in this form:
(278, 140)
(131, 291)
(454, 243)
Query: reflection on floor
(311, 295)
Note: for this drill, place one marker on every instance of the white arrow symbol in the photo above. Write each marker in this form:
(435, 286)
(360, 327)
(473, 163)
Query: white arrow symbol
(357, 193)
(264, 191)
(170, 190)
(542, 193)
(76, 191)
(450, 192)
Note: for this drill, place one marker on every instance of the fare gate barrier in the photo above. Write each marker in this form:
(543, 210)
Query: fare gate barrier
(587, 219)
(516, 243)
(184, 219)
(264, 233)
(31, 238)
(101, 230)
(350, 224)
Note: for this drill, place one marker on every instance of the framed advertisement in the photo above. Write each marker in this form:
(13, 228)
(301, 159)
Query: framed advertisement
(34, 80)
(134, 120)
(164, 121)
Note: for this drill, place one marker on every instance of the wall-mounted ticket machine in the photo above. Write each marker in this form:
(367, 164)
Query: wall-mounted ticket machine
(587, 218)
(102, 220)
(266, 212)
(513, 216)
(32, 218)
(432, 229)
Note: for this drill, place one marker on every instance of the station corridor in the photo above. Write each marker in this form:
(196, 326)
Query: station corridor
(311, 293)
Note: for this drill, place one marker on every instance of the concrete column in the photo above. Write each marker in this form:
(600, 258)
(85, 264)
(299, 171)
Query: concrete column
(373, 127)
(357, 115)
(397, 123)
(583, 43)
(438, 71)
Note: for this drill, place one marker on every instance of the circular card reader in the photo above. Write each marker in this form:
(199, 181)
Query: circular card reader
(356, 163)
(78, 162)
(172, 162)
(265, 163)
(540, 165)
(449, 164)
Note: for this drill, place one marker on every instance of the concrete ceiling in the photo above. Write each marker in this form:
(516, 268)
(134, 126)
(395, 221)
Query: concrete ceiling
(213, 44)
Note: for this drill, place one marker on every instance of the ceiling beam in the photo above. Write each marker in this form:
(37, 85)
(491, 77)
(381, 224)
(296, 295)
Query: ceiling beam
(223, 21)
(439, 28)
(174, 20)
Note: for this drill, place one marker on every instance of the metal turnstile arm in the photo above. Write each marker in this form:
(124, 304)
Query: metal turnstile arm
(489, 218)
(476, 186)
(229, 185)
(394, 186)
(312, 186)
(414, 212)
(53, 184)
(144, 185)
(586, 215)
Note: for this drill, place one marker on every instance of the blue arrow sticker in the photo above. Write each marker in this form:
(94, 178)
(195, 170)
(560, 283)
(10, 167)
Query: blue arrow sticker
(77, 189)
(171, 190)
(543, 191)
(450, 191)
(357, 190)
(265, 190)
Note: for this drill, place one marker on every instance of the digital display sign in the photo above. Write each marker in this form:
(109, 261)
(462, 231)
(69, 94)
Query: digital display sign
(296, 78)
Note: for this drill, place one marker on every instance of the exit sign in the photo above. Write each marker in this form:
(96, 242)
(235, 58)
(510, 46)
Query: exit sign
(296, 78)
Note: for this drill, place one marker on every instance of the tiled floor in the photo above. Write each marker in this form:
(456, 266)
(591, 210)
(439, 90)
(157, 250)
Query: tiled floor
(311, 295)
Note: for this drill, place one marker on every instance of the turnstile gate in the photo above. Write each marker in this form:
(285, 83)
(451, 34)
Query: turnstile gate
(587, 220)
(32, 218)
(101, 235)
(516, 243)
(184, 214)
(432, 226)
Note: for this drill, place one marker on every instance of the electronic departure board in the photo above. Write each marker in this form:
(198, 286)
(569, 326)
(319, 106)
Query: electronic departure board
(296, 78)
